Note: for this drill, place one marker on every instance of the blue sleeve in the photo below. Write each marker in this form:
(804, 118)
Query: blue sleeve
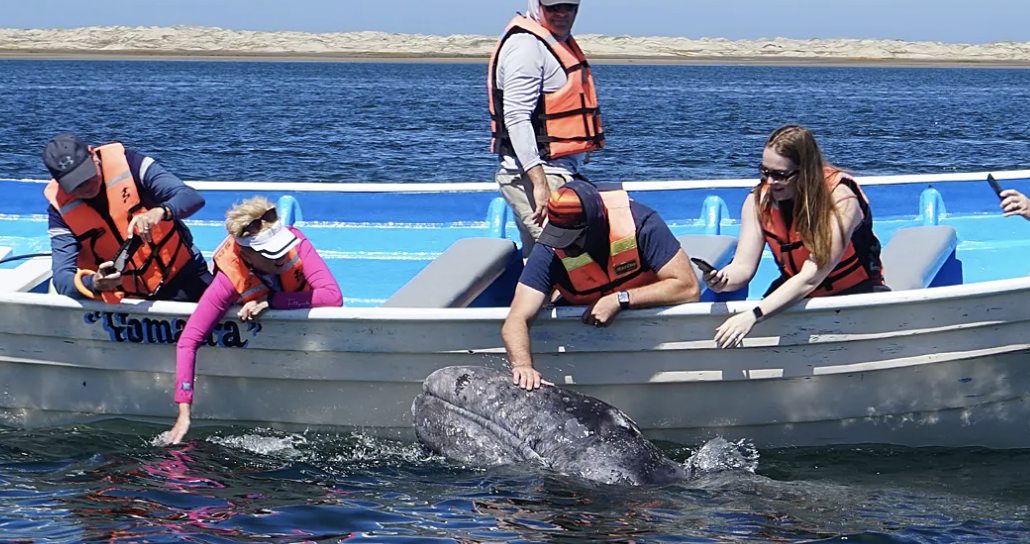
(166, 188)
(538, 273)
(656, 242)
(64, 256)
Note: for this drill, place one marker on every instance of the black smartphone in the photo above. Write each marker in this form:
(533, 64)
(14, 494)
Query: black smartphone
(125, 253)
(703, 265)
(994, 185)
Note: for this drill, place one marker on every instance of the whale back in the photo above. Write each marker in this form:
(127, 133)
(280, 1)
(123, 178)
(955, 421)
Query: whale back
(477, 415)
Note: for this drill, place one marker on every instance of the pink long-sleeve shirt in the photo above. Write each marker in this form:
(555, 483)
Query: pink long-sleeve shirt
(221, 294)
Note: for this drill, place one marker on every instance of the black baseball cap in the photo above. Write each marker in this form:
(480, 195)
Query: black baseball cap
(69, 161)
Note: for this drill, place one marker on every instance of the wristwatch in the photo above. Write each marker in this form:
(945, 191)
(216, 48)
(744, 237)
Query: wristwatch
(623, 299)
(168, 213)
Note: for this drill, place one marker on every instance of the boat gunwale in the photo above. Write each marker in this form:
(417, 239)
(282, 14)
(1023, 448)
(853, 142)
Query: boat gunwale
(633, 186)
(445, 315)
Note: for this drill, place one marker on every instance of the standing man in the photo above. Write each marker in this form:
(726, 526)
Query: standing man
(543, 109)
(102, 197)
(600, 250)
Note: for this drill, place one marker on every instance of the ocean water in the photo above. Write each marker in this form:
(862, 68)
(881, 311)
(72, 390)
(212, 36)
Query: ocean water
(106, 483)
(338, 122)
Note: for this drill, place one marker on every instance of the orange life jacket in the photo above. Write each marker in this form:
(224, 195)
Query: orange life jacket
(589, 281)
(248, 285)
(567, 121)
(101, 234)
(861, 259)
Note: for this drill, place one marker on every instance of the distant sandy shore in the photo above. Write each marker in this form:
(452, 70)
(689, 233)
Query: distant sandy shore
(207, 43)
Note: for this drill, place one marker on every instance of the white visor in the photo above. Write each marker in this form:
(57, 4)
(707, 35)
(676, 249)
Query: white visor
(272, 243)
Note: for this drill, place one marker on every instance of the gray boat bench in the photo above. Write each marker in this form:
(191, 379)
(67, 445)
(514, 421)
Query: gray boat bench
(718, 251)
(478, 272)
(31, 276)
(920, 257)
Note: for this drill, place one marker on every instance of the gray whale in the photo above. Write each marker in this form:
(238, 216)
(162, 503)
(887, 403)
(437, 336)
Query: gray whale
(476, 415)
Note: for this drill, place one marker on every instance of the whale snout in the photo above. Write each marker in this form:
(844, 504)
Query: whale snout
(667, 473)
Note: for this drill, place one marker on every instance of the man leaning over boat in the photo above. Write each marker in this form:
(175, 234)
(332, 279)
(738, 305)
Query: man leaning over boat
(544, 114)
(600, 250)
(100, 197)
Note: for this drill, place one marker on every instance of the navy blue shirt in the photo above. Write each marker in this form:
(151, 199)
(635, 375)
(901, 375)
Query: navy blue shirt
(655, 242)
(157, 187)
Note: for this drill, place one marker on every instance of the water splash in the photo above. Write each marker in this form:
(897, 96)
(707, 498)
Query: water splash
(720, 454)
(277, 446)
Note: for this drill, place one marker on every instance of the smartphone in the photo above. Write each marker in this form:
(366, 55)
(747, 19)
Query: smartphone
(994, 185)
(703, 265)
(125, 253)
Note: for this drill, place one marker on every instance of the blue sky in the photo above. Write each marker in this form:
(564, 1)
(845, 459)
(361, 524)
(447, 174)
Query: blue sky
(970, 21)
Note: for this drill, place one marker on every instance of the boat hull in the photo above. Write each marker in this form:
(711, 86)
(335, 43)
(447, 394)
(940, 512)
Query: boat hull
(944, 366)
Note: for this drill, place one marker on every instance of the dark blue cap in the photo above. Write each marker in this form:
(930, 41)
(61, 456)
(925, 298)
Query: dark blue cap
(69, 161)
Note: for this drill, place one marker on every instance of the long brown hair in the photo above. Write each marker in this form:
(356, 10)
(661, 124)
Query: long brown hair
(814, 209)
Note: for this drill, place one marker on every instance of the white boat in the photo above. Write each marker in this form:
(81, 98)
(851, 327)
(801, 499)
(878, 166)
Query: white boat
(945, 365)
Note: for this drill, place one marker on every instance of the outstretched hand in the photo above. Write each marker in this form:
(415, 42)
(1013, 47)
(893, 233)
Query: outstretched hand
(732, 332)
(182, 425)
(526, 377)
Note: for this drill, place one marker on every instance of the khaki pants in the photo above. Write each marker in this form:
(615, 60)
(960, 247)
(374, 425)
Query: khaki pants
(517, 190)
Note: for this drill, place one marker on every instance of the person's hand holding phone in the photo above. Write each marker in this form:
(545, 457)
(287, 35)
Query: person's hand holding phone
(107, 278)
(143, 223)
(716, 281)
(713, 278)
(1014, 202)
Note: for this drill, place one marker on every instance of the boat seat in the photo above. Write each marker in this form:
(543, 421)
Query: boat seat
(913, 256)
(26, 277)
(459, 275)
(716, 249)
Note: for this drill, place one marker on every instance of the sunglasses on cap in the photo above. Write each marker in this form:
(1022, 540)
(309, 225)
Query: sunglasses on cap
(561, 7)
(776, 175)
(254, 227)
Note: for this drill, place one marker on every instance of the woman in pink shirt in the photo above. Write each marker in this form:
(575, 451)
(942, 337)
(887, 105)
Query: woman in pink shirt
(265, 265)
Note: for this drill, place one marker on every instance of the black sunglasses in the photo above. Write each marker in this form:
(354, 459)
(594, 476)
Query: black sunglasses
(776, 175)
(254, 227)
(561, 7)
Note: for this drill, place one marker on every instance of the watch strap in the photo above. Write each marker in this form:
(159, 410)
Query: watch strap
(623, 297)
(758, 313)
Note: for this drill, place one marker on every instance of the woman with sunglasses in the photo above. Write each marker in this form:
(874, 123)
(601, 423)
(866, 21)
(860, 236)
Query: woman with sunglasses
(262, 263)
(818, 225)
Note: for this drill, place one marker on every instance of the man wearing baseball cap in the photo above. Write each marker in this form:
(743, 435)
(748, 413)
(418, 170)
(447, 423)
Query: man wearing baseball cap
(600, 250)
(545, 119)
(109, 200)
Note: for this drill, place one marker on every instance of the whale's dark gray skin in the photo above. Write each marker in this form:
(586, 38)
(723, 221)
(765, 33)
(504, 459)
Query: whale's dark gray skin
(476, 415)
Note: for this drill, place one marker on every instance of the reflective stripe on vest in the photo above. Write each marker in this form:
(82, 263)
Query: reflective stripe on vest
(247, 284)
(567, 121)
(790, 252)
(100, 235)
(589, 281)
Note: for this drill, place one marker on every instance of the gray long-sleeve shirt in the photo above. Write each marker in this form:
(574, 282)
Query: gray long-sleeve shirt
(525, 68)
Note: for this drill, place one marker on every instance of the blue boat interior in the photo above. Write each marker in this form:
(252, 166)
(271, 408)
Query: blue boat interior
(457, 249)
